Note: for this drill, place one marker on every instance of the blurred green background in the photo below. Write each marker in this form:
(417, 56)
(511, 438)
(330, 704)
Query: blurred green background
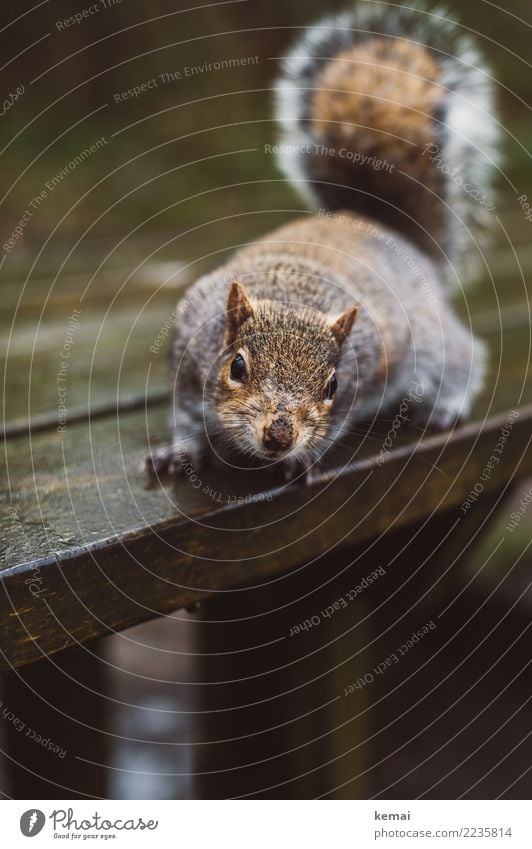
(144, 177)
(180, 179)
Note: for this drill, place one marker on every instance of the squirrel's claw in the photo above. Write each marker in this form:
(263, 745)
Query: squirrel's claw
(169, 459)
(158, 461)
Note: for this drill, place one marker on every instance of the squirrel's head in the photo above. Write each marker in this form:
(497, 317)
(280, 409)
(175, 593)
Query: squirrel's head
(277, 382)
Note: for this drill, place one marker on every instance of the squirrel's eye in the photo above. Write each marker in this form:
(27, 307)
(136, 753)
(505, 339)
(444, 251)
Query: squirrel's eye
(330, 389)
(238, 369)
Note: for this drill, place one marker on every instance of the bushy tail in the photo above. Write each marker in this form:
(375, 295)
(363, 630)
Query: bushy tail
(388, 112)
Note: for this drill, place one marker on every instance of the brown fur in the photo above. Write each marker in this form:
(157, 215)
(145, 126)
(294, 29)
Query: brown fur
(291, 352)
(285, 306)
(383, 92)
(380, 99)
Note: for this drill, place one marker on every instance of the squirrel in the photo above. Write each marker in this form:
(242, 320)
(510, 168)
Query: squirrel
(387, 131)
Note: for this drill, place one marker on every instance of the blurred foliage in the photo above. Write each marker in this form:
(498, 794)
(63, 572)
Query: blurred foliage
(183, 173)
(72, 75)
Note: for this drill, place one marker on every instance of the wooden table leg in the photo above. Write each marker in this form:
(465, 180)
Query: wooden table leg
(280, 715)
(273, 691)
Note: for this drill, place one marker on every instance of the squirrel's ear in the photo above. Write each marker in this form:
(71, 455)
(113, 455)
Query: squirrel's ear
(239, 310)
(341, 326)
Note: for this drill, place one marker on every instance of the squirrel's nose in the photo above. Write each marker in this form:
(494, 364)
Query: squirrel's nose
(279, 435)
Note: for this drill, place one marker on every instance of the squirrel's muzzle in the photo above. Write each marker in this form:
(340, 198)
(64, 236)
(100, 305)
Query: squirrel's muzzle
(279, 435)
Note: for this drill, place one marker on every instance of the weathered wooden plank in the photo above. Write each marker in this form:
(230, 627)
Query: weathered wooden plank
(122, 312)
(115, 376)
(187, 546)
(79, 498)
(106, 322)
(81, 360)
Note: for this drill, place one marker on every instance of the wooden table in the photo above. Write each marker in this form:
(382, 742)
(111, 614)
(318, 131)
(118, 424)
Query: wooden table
(90, 550)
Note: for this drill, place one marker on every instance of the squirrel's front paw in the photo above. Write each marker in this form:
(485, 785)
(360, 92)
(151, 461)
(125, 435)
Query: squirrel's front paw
(172, 460)
(160, 461)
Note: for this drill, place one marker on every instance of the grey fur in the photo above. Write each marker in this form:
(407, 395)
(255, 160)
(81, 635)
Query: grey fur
(406, 346)
(467, 131)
